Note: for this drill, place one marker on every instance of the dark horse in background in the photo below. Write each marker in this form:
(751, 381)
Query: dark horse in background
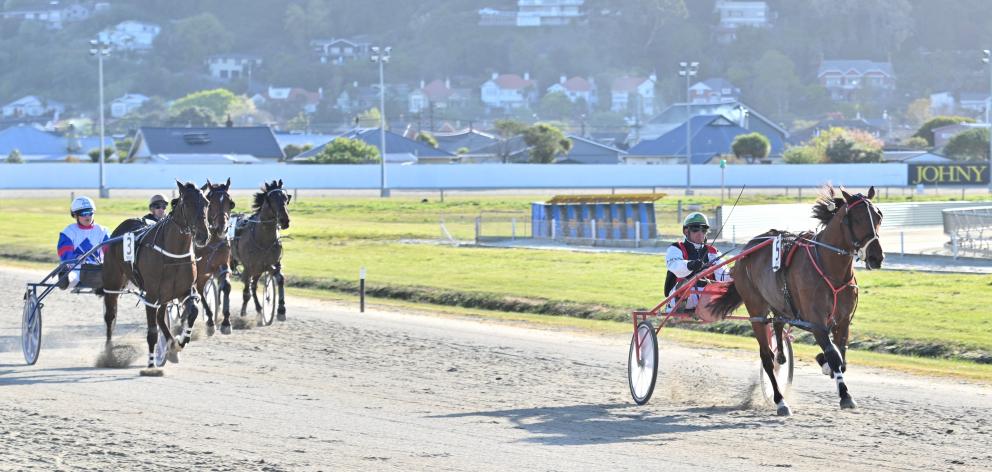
(257, 246)
(214, 259)
(815, 288)
(163, 270)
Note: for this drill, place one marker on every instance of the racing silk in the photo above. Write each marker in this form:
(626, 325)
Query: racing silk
(75, 240)
(678, 256)
(149, 219)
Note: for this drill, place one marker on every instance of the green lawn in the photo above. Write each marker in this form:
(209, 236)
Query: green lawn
(333, 238)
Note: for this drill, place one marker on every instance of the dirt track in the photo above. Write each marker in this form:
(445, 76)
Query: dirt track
(334, 390)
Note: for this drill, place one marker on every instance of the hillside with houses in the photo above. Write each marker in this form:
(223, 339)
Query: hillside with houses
(643, 81)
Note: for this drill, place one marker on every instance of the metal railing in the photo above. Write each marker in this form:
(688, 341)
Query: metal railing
(970, 230)
(589, 232)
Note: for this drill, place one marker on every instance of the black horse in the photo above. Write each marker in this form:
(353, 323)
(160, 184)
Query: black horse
(214, 259)
(257, 246)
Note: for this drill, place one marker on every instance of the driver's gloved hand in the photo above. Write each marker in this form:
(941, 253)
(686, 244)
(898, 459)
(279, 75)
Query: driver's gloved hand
(695, 265)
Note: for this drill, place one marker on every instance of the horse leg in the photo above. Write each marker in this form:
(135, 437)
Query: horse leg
(191, 312)
(281, 311)
(780, 355)
(201, 282)
(841, 331)
(245, 294)
(835, 362)
(152, 334)
(110, 314)
(254, 294)
(768, 364)
(225, 287)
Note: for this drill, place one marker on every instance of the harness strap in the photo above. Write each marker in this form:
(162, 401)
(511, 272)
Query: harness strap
(174, 256)
(835, 290)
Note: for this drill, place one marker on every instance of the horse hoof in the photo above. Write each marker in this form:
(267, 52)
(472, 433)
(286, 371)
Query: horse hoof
(281, 316)
(151, 372)
(847, 404)
(210, 330)
(173, 357)
(225, 329)
(784, 410)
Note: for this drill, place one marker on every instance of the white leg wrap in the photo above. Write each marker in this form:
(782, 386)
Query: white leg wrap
(839, 377)
(151, 360)
(187, 332)
(781, 404)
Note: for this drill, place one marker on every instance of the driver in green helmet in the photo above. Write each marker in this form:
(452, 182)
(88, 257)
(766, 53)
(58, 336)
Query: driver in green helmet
(691, 255)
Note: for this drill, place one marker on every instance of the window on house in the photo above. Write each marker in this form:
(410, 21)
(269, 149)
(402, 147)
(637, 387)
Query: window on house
(223, 74)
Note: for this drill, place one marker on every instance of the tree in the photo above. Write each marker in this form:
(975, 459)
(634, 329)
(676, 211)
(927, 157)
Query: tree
(188, 41)
(108, 154)
(916, 142)
(507, 129)
(844, 149)
(15, 157)
(546, 142)
(347, 151)
(427, 139)
(192, 116)
(219, 101)
(918, 112)
(556, 106)
(292, 150)
(971, 145)
(801, 155)
(369, 118)
(774, 81)
(926, 131)
(751, 146)
(299, 122)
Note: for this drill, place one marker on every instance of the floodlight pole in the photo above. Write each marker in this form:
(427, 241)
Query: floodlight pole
(100, 49)
(381, 56)
(688, 70)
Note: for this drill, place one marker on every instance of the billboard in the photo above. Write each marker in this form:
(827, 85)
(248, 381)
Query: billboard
(949, 174)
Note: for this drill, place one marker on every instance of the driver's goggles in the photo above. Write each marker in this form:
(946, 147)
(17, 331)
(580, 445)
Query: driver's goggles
(698, 228)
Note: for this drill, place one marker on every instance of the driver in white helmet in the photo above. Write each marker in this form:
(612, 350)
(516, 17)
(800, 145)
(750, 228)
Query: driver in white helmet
(78, 238)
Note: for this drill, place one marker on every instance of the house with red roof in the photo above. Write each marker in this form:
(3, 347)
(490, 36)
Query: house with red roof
(438, 94)
(576, 88)
(509, 91)
(633, 95)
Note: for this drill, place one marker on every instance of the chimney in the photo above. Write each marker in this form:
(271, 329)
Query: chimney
(562, 79)
(447, 83)
(495, 75)
(422, 84)
(320, 92)
(653, 77)
(229, 123)
(526, 75)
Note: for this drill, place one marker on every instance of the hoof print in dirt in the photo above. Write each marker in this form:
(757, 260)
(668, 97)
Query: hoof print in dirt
(151, 372)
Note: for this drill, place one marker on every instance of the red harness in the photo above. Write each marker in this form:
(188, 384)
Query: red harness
(836, 290)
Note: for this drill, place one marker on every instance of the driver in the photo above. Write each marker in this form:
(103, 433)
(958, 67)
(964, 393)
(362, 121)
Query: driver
(690, 256)
(78, 238)
(156, 210)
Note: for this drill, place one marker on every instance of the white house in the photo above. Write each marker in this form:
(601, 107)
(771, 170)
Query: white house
(131, 35)
(843, 77)
(340, 50)
(713, 91)
(232, 66)
(121, 106)
(32, 106)
(635, 94)
(508, 91)
(576, 88)
(531, 13)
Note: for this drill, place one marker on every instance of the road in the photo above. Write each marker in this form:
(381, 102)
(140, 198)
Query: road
(331, 389)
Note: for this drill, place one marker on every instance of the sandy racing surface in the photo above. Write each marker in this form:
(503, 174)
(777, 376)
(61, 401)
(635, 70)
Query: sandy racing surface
(334, 390)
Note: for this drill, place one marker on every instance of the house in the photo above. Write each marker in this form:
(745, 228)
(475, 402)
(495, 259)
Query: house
(975, 102)
(843, 77)
(634, 95)
(33, 106)
(804, 135)
(302, 139)
(37, 145)
(467, 139)
(292, 99)
(942, 135)
(437, 94)
(576, 88)
(531, 13)
(355, 98)
(508, 91)
(399, 150)
(232, 66)
(915, 157)
(738, 112)
(206, 145)
(127, 103)
(714, 91)
(587, 151)
(131, 36)
(736, 15)
(52, 18)
(711, 136)
(512, 150)
(340, 50)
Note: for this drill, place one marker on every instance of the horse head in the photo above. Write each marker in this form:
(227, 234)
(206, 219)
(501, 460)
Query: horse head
(220, 206)
(862, 219)
(275, 197)
(191, 207)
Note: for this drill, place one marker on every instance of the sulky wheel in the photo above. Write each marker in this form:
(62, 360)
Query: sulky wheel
(269, 299)
(642, 370)
(31, 328)
(172, 318)
(211, 295)
(783, 372)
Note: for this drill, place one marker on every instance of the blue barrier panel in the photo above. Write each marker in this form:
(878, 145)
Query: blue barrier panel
(601, 220)
(615, 220)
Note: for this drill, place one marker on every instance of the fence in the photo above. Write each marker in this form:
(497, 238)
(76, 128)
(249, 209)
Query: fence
(970, 229)
(588, 233)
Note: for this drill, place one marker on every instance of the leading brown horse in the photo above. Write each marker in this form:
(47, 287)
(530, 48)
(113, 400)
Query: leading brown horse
(163, 269)
(214, 259)
(815, 288)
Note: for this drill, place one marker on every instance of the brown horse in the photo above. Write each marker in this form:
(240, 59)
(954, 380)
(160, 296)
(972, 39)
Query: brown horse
(214, 259)
(257, 246)
(815, 288)
(163, 269)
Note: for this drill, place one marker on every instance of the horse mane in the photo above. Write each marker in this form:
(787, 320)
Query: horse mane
(260, 195)
(826, 204)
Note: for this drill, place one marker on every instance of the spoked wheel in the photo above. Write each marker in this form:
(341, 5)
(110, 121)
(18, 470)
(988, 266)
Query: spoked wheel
(172, 318)
(268, 283)
(783, 372)
(211, 295)
(642, 373)
(31, 328)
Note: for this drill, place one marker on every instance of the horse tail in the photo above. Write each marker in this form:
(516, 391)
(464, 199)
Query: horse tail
(727, 302)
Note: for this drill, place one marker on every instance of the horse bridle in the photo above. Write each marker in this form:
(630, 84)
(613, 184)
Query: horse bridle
(224, 194)
(189, 229)
(267, 194)
(861, 245)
